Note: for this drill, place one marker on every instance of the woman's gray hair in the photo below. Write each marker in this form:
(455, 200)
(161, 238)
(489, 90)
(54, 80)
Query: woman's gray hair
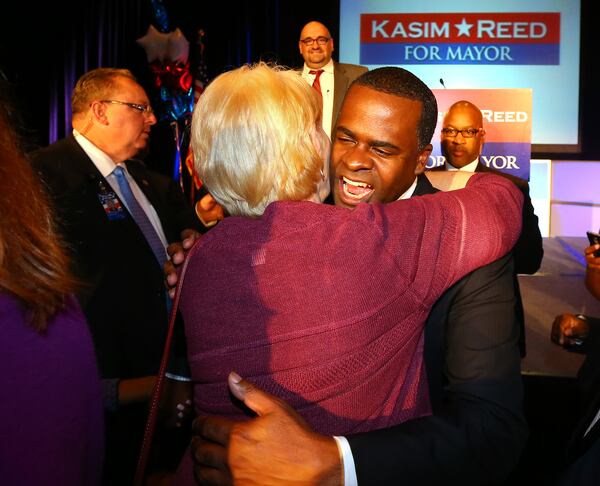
(253, 137)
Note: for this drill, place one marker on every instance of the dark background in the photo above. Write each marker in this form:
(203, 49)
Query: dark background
(43, 52)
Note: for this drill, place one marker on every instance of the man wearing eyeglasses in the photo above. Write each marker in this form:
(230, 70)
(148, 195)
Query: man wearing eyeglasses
(462, 139)
(329, 78)
(117, 218)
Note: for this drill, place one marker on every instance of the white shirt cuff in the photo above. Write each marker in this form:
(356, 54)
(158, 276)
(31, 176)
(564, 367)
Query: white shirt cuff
(347, 461)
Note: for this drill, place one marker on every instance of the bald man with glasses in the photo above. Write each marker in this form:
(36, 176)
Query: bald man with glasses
(331, 79)
(117, 217)
(462, 139)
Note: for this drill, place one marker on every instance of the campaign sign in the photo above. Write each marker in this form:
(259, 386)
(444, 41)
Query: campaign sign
(531, 38)
(506, 121)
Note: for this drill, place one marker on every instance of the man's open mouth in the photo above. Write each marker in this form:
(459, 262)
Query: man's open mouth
(355, 191)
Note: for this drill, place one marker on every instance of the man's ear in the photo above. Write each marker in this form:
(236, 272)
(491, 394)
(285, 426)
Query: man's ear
(482, 137)
(98, 112)
(422, 159)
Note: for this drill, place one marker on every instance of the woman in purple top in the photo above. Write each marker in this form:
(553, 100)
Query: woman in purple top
(320, 305)
(51, 422)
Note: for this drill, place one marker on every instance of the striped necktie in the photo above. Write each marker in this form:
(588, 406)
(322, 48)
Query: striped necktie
(140, 217)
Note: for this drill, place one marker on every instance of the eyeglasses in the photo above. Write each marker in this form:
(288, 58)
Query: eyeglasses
(465, 132)
(309, 41)
(136, 106)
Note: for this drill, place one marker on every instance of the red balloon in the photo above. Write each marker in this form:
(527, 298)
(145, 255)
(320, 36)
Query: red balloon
(173, 75)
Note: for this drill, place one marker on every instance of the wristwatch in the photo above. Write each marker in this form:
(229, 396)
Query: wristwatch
(580, 340)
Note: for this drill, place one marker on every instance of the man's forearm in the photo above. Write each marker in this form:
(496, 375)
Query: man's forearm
(117, 392)
(134, 390)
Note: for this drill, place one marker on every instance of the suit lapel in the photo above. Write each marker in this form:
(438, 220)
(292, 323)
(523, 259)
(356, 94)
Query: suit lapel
(143, 183)
(579, 442)
(340, 86)
(79, 169)
(84, 180)
(424, 186)
(594, 432)
(589, 379)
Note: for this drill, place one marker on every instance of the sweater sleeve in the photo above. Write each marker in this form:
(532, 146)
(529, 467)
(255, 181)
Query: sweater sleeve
(439, 238)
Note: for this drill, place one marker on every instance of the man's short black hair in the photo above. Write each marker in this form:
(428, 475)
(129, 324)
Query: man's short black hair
(400, 82)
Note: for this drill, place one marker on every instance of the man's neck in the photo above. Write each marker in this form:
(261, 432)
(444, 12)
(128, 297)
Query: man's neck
(103, 162)
(92, 137)
(325, 67)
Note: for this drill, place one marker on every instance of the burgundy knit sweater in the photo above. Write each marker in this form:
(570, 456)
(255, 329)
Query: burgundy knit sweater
(324, 306)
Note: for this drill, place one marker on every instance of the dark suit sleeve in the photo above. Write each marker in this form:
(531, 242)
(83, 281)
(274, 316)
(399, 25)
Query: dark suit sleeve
(528, 250)
(477, 430)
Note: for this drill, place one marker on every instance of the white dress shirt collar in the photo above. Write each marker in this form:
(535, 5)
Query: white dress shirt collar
(410, 191)
(467, 168)
(328, 68)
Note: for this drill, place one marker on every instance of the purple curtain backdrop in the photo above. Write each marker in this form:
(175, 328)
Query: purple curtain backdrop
(43, 53)
(101, 36)
(45, 47)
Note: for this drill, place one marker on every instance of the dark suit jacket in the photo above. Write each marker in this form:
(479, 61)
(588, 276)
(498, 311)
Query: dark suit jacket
(528, 250)
(477, 430)
(583, 453)
(122, 288)
(343, 75)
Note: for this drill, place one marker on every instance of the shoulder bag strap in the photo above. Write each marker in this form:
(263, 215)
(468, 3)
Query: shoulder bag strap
(160, 379)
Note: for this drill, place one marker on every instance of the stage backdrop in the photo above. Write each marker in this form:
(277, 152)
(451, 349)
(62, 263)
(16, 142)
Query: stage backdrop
(481, 45)
(507, 123)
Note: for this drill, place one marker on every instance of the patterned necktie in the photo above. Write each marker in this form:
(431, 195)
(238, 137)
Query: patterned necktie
(140, 217)
(316, 83)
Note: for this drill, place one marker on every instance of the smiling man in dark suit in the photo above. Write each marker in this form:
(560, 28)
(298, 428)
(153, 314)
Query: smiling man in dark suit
(462, 139)
(117, 217)
(477, 430)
